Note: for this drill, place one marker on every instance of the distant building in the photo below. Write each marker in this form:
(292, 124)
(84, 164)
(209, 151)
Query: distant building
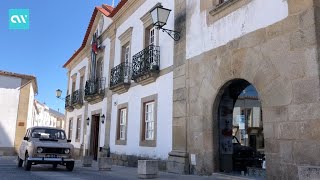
(45, 116)
(17, 93)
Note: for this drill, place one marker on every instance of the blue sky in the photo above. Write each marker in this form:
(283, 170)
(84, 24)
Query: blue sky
(57, 28)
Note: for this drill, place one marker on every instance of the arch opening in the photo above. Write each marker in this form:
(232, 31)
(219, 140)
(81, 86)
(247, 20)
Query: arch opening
(240, 129)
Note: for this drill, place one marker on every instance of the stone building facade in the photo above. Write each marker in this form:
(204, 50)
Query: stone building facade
(279, 57)
(225, 46)
(119, 95)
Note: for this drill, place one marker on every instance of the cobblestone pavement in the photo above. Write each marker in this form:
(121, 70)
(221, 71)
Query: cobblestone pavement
(10, 171)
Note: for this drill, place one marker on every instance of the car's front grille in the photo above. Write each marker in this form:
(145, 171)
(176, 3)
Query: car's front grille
(53, 150)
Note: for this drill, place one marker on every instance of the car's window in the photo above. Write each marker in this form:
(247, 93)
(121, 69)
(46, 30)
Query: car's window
(43, 133)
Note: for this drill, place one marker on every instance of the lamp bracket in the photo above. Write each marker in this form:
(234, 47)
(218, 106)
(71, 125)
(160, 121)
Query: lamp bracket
(61, 98)
(175, 35)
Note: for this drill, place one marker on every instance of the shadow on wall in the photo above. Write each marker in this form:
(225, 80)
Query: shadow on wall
(6, 143)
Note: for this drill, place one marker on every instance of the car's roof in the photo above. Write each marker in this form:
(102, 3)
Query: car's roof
(44, 127)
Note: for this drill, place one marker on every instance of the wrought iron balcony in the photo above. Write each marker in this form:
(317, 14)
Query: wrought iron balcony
(120, 78)
(68, 104)
(95, 90)
(77, 99)
(146, 65)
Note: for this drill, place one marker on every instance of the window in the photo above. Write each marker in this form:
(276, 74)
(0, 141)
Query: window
(122, 124)
(123, 119)
(78, 130)
(151, 36)
(99, 72)
(70, 128)
(149, 120)
(126, 53)
(148, 130)
(81, 82)
(73, 86)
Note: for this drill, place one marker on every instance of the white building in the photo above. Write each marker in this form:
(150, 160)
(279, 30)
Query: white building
(45, 116)
(17, 93)
(120, 96)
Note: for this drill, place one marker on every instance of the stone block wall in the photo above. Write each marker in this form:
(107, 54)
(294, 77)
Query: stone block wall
(282, 62)
(132, 161)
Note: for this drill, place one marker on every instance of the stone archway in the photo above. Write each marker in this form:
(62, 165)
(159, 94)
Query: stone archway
(240, 142)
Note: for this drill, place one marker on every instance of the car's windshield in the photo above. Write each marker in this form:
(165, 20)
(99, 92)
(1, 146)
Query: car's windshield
(43, 133)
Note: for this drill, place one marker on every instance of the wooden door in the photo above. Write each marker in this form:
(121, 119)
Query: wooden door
(95, 136)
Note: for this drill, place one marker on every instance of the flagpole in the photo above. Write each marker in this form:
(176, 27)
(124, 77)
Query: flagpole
(112, 3)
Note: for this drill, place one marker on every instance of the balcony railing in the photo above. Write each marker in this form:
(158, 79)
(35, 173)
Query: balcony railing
(77, 99)
(145, 63)
(120, 75)
(68, 103)
(95, 90)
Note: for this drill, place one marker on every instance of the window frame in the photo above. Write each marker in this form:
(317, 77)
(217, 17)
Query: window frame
(119, 140)
(78, 129)
(148, 142)
(70, 128)
(149, 119)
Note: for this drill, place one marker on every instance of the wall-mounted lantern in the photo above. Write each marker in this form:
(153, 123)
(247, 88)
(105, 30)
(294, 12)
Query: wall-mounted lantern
(160, 16)
(58, 94)
(88, 120)
(102, 118)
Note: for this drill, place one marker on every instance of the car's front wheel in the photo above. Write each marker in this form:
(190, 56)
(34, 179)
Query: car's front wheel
(27, 164)
(20, 162)
(70, 166)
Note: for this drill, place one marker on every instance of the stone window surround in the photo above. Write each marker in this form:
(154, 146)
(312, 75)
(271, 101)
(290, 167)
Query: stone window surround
(125, 40)
(118, 141)
(143, 142)
(147, 25)
(82, 71)
(221, 10)
(73, 80)
(70, 132)
(78, 130)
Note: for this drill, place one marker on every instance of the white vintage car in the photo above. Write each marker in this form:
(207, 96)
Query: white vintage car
(45, 145)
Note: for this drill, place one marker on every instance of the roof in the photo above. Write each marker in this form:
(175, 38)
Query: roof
(118, 7)
(56, 113)
(106, 10)
(22, 76)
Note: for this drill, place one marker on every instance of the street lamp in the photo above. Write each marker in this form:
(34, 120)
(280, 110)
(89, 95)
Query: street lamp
(58, 94)
(102, 119)
(160, 17)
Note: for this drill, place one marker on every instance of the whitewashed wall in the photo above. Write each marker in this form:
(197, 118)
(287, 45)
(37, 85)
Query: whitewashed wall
(163, 87)
(255, 15)
(9, 101)
(76, 112)
(30, 107)
(102, 105)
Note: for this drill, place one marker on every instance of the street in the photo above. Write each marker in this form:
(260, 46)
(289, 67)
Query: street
(9, 171)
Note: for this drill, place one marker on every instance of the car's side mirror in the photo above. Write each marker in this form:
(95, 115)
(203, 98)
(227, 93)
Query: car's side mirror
(69, 140)
(26, 138)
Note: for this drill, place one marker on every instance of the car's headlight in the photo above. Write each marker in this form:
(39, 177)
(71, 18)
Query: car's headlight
(67, 151)
(39, 150)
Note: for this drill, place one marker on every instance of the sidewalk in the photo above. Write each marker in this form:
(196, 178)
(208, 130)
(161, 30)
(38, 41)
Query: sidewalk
(131, 173)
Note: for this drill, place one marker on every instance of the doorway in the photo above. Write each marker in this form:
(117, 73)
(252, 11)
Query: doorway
(241, 138)
(94, 147)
